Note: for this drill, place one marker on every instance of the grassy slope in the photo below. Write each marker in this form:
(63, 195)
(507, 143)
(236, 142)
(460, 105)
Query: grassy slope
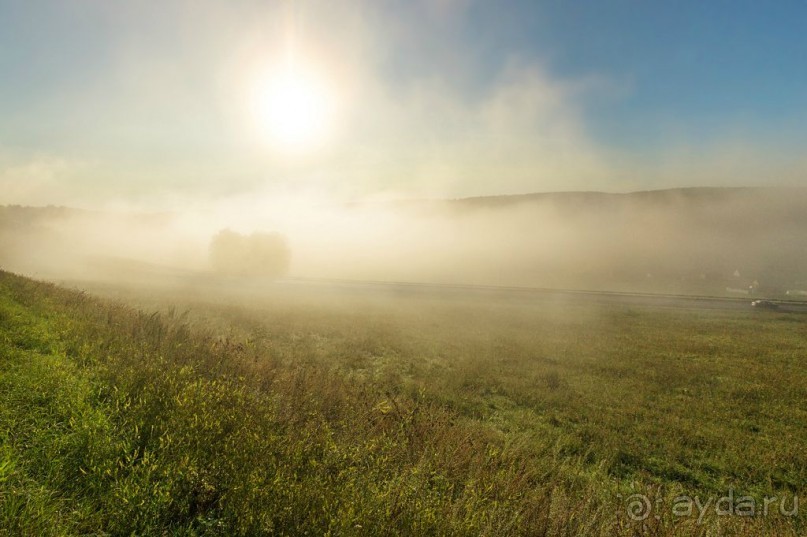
(428, 421)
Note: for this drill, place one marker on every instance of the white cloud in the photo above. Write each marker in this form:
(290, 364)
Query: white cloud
(526, 133)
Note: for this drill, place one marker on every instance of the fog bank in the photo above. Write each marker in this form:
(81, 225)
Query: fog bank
(701, 241)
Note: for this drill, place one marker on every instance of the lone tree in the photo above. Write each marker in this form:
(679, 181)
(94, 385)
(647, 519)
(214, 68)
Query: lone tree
(259, 254)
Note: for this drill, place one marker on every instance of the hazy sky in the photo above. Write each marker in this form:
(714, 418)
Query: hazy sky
(159, 103)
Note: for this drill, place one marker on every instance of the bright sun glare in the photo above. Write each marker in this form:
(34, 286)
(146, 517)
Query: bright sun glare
(294, 109)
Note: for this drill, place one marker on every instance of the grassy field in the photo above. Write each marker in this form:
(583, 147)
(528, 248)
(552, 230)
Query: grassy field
(306, 413)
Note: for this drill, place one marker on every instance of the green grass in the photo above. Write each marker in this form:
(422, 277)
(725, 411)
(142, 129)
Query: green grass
(295, 414)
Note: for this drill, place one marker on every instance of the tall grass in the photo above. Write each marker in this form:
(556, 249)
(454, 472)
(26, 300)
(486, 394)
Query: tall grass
(419, 419)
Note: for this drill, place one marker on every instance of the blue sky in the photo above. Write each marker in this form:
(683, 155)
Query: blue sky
(149, 101)
(702, 63)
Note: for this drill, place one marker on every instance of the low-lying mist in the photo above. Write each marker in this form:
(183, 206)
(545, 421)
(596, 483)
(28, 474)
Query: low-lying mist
(706, 241)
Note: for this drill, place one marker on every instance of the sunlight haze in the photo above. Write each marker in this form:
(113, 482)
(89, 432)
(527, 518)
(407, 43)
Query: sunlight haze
(154, 104)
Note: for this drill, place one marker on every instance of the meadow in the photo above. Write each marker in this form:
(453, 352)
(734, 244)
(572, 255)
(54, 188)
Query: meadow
(227, 410)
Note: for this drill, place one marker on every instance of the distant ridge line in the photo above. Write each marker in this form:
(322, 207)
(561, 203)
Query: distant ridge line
(686, 191)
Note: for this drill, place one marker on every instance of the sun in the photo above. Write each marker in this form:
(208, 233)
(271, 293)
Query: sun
(294, 109)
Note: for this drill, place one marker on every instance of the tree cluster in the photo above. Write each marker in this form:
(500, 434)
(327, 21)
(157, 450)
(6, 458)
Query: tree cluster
(258, 254)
